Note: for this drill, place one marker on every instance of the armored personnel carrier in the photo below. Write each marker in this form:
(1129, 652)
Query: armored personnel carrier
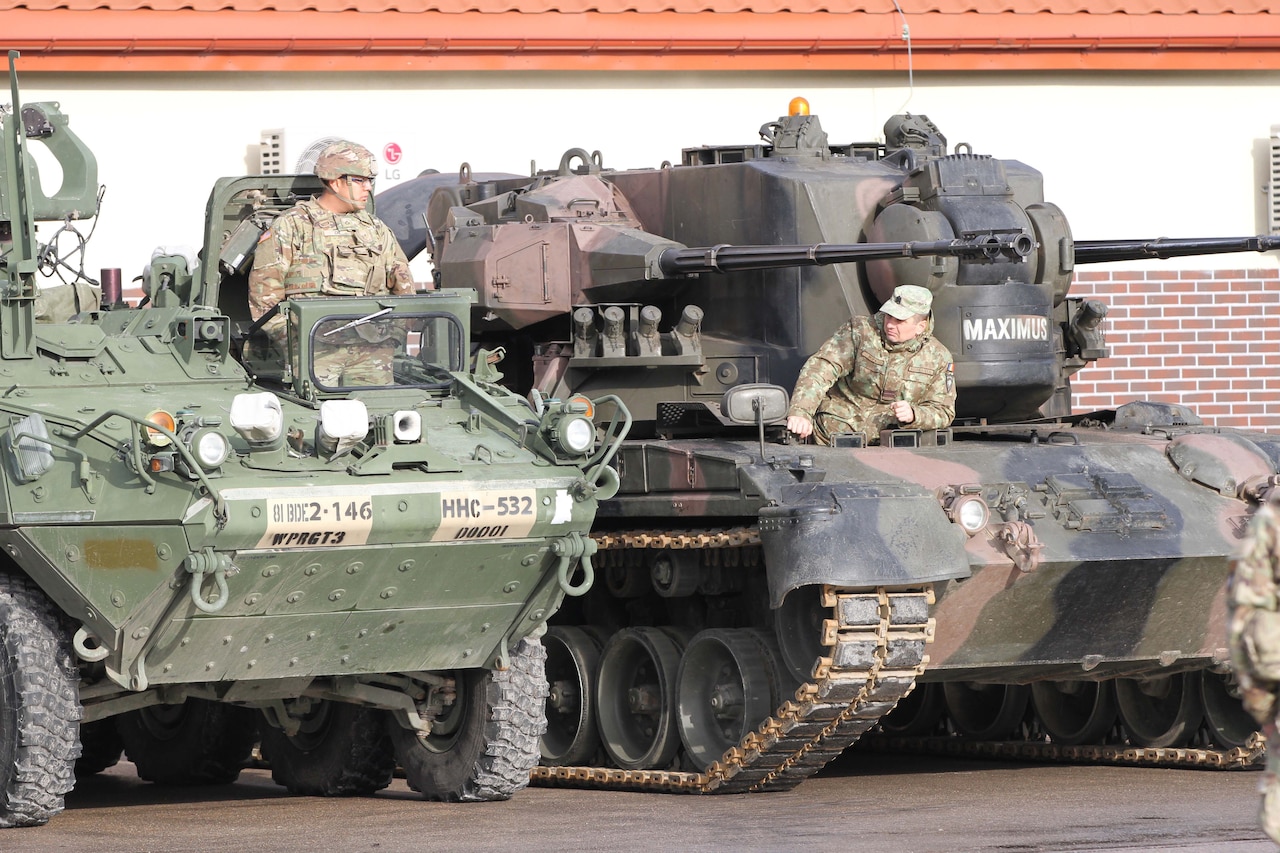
(1029, 574)
(197, 557)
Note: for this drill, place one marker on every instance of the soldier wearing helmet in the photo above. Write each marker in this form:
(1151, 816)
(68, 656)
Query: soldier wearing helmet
(875, 372)
(330, 245)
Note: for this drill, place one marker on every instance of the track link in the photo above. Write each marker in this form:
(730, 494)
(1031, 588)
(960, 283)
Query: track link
(1241, 757)
(875, 642)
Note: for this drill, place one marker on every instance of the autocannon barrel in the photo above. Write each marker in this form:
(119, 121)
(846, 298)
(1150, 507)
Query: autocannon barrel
(1106, 251)
(727, 258)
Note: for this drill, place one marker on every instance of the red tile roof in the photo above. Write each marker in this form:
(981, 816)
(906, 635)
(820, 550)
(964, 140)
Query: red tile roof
(372, 35)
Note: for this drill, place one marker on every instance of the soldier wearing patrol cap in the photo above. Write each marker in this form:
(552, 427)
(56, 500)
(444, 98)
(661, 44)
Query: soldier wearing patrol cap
(330, 245)
(875, 372)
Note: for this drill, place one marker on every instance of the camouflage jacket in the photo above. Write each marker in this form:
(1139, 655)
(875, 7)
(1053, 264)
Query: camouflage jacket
(310, 251)
(1253, 632)
(1253, 581)
(850, 384)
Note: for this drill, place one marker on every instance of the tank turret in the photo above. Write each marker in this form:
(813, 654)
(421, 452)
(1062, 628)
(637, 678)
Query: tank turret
(590, 275)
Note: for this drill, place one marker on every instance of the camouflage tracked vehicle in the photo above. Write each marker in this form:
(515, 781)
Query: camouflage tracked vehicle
(194, 560)
(1029, 573)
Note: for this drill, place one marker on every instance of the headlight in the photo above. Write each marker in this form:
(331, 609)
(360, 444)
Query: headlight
(970, 512)
(210, 447)
(576, 435)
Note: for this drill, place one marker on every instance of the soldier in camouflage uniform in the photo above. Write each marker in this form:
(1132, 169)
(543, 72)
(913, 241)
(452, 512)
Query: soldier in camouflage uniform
(1254, 638)
(331, 246)
(875, 372)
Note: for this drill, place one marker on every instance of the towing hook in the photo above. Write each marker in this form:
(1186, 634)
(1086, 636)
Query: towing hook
(569, 548)
(200, 563)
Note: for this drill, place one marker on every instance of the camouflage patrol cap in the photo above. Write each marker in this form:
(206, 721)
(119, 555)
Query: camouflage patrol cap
(907, 301)
(345, 158)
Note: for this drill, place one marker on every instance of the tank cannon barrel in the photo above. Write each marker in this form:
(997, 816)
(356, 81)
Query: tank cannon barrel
(1106, 251)
(726, 258)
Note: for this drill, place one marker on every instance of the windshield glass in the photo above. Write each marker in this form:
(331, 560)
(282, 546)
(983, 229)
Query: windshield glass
(384, 349)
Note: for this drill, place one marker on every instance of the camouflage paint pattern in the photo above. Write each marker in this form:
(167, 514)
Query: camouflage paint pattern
(1254, 640)
(851, 383)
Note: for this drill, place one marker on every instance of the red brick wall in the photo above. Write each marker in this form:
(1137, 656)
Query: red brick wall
(1209, 339)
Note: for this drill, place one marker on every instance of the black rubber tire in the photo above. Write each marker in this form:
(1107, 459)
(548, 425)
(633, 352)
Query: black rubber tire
(39, 707)
(342, 750)
(493, 739)
(100, 747)
(196, 743)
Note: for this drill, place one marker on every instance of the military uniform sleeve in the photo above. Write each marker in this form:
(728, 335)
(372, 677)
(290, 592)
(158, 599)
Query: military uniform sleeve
(271, 262)
(399, 278)
(823, 369)
(1253, 581)
(937, 407)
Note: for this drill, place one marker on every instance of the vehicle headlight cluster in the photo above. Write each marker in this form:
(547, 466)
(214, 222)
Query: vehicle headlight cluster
(966, 507)
(568, 426)
(204, 443)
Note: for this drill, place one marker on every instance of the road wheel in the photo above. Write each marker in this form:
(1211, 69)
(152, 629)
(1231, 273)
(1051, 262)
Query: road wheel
(340, 750)
(195, 743)
(1075, 712)
(986, 711)
(486, 743)
(1228, 723)
(725, 688)
(39, 707)
(1159, 712)
(573, 657)
(635, 698)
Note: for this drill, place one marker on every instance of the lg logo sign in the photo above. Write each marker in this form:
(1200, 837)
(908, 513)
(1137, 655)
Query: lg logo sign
(391, 154)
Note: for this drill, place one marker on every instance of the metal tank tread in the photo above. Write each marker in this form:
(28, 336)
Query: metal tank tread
(1241, 757)
(876, 641)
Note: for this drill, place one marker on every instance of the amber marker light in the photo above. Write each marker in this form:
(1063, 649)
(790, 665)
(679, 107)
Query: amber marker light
(798, 107)
(589, 411)
(164, 420)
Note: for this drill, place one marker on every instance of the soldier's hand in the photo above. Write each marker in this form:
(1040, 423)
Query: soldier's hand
(903, 412)
(800, 425)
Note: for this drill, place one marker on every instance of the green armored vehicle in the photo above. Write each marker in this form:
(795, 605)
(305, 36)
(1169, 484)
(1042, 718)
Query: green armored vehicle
(197, 557)
(1029, 574)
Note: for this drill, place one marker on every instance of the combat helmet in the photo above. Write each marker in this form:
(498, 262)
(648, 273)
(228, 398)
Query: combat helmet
(345, 158)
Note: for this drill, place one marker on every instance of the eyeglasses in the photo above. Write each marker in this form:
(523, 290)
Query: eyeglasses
(360, 181)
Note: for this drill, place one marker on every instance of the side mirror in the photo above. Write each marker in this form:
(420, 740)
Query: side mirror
(755, 403)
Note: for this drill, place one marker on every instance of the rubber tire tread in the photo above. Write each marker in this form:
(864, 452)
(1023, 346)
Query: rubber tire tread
(354, 758)
(39, 706)
(100, 747)
(498, 743)
(210, 746)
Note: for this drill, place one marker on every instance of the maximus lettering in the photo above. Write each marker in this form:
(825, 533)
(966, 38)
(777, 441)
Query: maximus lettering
(1026, 327)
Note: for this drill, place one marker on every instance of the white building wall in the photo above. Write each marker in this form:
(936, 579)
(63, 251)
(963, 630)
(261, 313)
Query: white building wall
(1125, 156)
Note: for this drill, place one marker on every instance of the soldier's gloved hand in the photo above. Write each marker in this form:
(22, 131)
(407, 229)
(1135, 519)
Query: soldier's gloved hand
(800, 425)
(903, 412)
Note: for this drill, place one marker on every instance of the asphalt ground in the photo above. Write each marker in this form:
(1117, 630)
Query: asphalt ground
(862, 802)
